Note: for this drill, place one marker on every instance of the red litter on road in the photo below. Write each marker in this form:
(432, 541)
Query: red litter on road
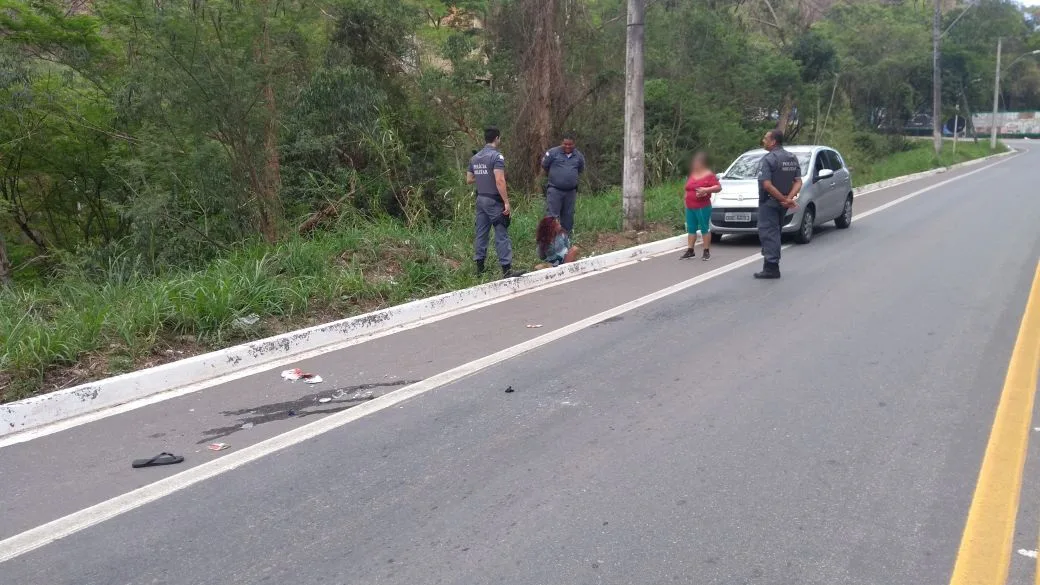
(298, 374)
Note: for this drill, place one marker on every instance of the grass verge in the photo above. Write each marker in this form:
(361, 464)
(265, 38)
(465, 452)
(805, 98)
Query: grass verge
(86, 325)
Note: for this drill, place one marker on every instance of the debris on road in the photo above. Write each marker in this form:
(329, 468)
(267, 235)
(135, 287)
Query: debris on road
(247, 321)
(324, 400)
(218, 446)
(1027, 553)
(160, 459)
(355, 396)
(298, 374)
(292, 413)
(248, 425)
(535, 326)
(510, 390)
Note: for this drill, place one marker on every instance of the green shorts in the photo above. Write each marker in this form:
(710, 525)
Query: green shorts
(698, 219)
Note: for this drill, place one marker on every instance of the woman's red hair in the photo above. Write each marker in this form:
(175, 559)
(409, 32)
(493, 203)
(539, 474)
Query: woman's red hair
(545, 235)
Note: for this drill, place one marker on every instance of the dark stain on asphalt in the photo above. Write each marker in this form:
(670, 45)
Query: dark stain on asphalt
(342, 399)
(610, 320)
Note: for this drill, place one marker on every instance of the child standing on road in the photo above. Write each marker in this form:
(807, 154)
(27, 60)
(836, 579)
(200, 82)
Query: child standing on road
(699, 189)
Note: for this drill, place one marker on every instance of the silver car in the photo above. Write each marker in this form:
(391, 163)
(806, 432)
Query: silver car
(826, 194)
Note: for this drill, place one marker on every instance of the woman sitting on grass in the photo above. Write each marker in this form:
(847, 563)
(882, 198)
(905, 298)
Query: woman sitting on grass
(554, 245)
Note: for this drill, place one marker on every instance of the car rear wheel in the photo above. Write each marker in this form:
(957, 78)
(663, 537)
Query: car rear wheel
(845, 219)
(805, 231)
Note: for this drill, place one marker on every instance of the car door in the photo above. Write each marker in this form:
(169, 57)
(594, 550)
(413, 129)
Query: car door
(832, 186)
(843, 176)
(822, 197)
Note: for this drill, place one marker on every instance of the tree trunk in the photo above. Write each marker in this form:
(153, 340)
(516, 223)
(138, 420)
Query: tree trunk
(633, 180)
(542, 74)
(786, 109)
(271, 175)
(5, 264)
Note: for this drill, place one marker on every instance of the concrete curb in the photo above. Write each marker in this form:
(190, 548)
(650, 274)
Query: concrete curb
(203, 371)
(32, 413)
(924, 174)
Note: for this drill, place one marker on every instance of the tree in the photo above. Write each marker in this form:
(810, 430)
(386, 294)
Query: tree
(884, 51)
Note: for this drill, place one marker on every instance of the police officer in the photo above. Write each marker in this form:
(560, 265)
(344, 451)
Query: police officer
(487, 169)
(563, 164)
(779, 181)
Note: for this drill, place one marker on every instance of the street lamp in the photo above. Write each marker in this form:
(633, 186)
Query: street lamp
(996, 91)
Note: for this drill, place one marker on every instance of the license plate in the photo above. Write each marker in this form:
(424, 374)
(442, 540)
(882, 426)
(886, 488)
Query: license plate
(738, 217)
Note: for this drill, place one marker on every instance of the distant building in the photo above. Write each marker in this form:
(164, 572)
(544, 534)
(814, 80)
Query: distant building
(1010, 124)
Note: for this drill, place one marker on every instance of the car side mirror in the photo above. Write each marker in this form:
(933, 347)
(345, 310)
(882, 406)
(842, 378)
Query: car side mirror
(824, 174)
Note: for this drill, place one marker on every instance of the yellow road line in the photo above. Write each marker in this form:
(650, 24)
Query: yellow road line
(985, 552)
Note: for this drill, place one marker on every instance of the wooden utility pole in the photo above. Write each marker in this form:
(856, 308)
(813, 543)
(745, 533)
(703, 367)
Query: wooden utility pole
(633, 171)
(936, 79)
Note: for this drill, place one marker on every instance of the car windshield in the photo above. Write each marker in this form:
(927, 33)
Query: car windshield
(746, 167)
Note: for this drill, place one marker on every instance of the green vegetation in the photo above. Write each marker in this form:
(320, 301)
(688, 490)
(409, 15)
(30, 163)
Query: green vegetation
(919, 156)
(166, 168)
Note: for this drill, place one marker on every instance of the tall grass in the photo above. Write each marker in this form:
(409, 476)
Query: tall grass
(920, 157)
(116, 316)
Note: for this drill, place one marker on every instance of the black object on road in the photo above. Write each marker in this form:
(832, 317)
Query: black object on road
(160, 459)
(510, 390)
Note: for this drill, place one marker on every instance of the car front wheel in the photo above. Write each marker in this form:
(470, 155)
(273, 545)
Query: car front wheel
(845, 219)
(805, 231)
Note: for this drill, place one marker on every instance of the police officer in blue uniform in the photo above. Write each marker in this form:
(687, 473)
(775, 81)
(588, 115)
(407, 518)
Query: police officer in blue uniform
(563, 166)
(779, 182)
(487, 170)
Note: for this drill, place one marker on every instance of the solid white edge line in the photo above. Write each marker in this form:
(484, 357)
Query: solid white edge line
(62, 527)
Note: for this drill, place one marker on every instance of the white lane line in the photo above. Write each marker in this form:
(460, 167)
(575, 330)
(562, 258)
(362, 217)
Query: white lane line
(47, 533)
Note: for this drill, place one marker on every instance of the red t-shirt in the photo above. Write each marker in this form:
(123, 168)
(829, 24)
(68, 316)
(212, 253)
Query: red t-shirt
(692, 200)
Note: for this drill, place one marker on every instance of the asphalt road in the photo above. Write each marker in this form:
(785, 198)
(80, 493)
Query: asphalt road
(826, 428)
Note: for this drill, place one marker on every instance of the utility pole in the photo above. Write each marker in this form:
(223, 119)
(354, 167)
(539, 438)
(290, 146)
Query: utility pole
(936, 79)
(956, 125)
(633, 170)
(996, 97)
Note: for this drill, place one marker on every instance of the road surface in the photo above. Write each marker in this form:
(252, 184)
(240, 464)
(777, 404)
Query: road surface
(826, 428)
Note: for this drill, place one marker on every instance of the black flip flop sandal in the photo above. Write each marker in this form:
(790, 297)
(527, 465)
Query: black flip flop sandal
(160, 459)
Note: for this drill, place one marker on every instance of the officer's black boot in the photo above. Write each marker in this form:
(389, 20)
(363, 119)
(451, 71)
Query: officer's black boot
(480, 266)
(770, 270)
(508, 272)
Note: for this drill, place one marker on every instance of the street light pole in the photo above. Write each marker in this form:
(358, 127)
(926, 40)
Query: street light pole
(936, 80)
(996, 97)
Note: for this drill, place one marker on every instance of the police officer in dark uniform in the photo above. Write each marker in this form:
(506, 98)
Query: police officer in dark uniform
(563, 166)
(779, 181)
(487, 170)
